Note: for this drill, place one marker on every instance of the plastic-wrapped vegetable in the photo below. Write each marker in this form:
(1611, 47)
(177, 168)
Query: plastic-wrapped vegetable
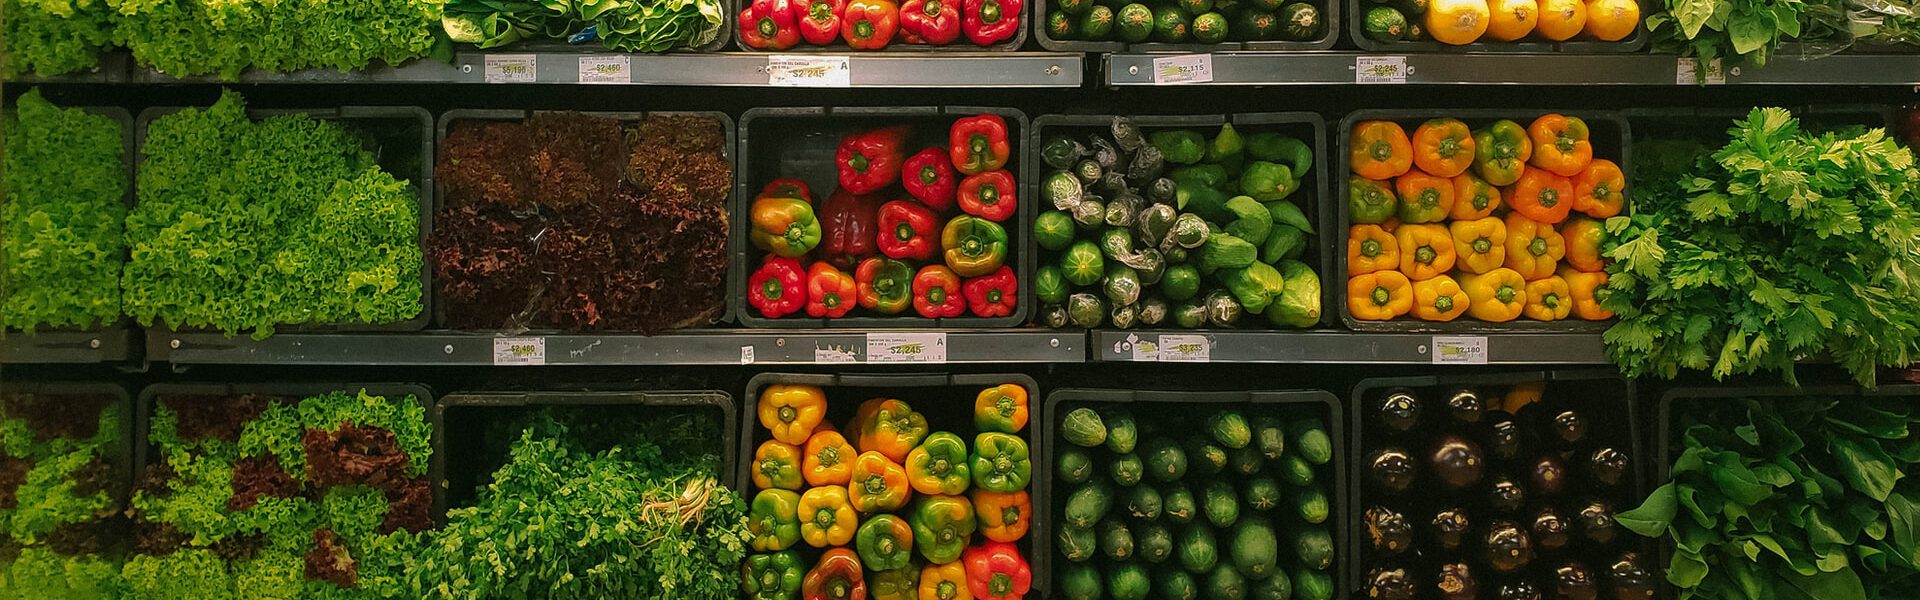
(1053, 315)
(1122, 284)
(1063, 190)
(1149, 263)
(1127, 134)
(1161, 191)
(1154, 223)
(1088, 171)
(1086, 310)
(1222, 309)
(1116, 242)
(1146, 165)
(1190, 231)
(1124, 209)
(1062, 152)
(1090, 212)
(1190, 313)
(1153, 311)
(1105, 154)
(1125, 316)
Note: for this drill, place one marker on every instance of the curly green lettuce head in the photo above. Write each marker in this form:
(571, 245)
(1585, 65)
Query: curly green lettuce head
(65, 183)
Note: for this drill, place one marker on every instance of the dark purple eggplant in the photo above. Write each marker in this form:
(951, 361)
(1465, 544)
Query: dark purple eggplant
(1550, 529)
(1548, 475)
(1391, 469)
(1503, 437)
(1456, 582)
(1464, 406)
(1450, 528)
(1608, 466)
(1629, 580)
(1596, 522)
(1518, 589)
(1387, 530)
(1505, 494)
(1399, 411)
(1390, 584)
(1572, 581)
(1508, 547)
(1456, 462)
(1568, 427)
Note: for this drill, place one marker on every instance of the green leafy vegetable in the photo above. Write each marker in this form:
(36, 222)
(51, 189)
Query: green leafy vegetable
(66, 183)
(624, 25)
(53, 37)
(198, 37)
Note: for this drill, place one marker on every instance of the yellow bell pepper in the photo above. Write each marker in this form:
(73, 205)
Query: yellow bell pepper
(827, 517)
(828, 460)
(1379, 296)
(1548, 299)
(776, 465)
(1371, 248)
(1481, 244)
(1496, 296)
(878, 484)
(1439, 299)
(791, 412)
(944, 582)
(1534, 249)
(1426, 251)
(1585, 288)
(1583, 238)
(1473, 198)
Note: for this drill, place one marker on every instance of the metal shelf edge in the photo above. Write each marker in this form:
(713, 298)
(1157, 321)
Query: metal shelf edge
(1344, 347)
(1339, 68)
(712, 347)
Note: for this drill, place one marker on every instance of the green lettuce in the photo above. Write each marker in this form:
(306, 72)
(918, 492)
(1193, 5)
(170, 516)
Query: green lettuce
(66, 182)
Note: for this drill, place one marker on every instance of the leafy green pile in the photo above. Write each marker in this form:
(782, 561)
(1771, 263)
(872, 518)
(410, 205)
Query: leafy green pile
(56, 504)
(1791, 498)
(224, 37)
(60, 242)
(53, 37)
(623, 25)
(286, 221)
(1731, 29)
(1779, 246)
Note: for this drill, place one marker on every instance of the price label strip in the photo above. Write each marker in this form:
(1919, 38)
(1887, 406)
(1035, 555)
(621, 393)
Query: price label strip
(511, 68)
(810, 71)
(834, 355)
(906, 347)
(1688, 71)
(606, 69)
(1458, 350)
(1186, 68)
(523, 352)
(1141, 350)
(1380, 69)
(1185, 348)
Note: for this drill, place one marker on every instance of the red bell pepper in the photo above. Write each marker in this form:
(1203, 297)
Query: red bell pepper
(988, 195)
(885, 285)
(936, 293)
(934, 22)
(994, 294)
(819, 19)
(929, 177)
(996, 571)
(830, 291)
(979, 143)
(768, 25)
(870, 24)
(847, 224)
(869, 161)
(778, 288)
(788, 188)
(836, 577)
(989, 21)
(907, 230)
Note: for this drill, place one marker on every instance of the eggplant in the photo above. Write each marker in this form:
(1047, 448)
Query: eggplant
(1503, 437)
(1596, 522)
(1449, 528)
(1391, 469)
(1387, 530)
(1508, 547)
(1389, 584)
(1506, 494)
(1629, 580)
(1399, 411)
(1456, 582)
(1572, 581)
(1456, 461)
(1547, 475)
(1568, 427)
(1607, 466)
(1518, 589)
(1464, 406)
(1550, 529)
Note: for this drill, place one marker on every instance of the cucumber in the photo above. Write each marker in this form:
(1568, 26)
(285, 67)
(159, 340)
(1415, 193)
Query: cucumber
(1122, 434)
(1204, 458)
(1262, 494)
(1246, 461)
(1255, 549)
(1144, 503)
(1082, 582)
(1314, 547)
(1177, 504)
(1134, 23)
(1083, 427)
(1088, 505)
(1116, 541)
(1154, 543)
(1312, 585)
(1075, 466)
(1126, 470)
(1197, 550)
(1230, 429)
(1295, 471)
(1311, 440)
(1128, 582)
(1311, 505)
(1166, 462)
(1277, 587)
(1077, 544)
(1270, 435)
(1226, 584)
(1222, 508)
(1175, 584)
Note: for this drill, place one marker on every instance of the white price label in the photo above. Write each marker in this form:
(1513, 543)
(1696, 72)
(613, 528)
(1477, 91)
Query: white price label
(1380, 69)
(746, 355)
(510, 68)
(1186, 68)
(1185, 348)
(810, 71)
(834, 355)
(1689, 72)
(606, 69)
(1458, 350)
(1140, 349)
(520, 351)
(906, 347)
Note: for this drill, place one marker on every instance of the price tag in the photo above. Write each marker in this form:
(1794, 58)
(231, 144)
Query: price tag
(510, 68)
(606, 69)
(1186, 68)
(1185, 348)
(906, 347)
(746, 355)
(1141, 350)
(1688, 72)
(810, 71)
(520, 351)
(1458, 350)
(1380, 69)
(834, 355)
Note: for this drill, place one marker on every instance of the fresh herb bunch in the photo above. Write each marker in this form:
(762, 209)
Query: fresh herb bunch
(623, 25)
(1791, 498)
(201, 37)
(1779, 246)
(61, 247)
(1730, 29)
(53, 37)
(249, 225)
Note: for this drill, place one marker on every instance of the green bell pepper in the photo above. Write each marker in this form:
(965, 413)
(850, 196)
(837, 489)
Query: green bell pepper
(942, 527)
(1000, 462)
(1369, 201)
(774, 576)
(1267, 182)
(939, 465)
(973, 246)
(774, 520)
(1500, 152)
(1182, 147)
(898, 584)
(1276, 148)
(1255, 286)
(885, 542)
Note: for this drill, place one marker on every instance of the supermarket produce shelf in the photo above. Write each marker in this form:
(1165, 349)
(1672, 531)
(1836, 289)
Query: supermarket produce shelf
(78, 347)
(710, 347)
(1329, 68)
(1341, 347)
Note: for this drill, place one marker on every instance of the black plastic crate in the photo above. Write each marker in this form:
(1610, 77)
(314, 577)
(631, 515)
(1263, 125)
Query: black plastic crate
(459, 423)
(800, 143)
(897, 46)
(1330, 18)
(1357, 29)
(1145, 404)
(1611, 137)
(447, 119)
(1605, 398)
(394, 132)
(1711, 124)
(1314, 196)
(122, 460)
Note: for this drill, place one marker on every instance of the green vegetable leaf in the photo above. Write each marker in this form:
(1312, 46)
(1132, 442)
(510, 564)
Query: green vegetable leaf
(1652, 517)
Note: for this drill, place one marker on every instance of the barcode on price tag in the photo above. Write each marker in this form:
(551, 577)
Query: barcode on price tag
(906, 347)
(1142, 350)
(810, 71)
(1185, 348)
(1380, 69)
(520, 351)
(834, 355)
(746, 355)
(1459, 350)
(606, 69)
(510, 68)
(1187, 68)
(1688, 72)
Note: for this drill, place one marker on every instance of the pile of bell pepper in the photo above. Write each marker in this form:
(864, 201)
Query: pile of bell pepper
(926, 232)
(873, 24)
(888, 508)
(1493, 223)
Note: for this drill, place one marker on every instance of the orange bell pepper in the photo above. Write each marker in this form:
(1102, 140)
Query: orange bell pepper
(776, 465)
(1443, 147)
(944, 582)
(1480, 244)
(828, 460)
(1001, 408)
(1371, 248)
(1003, 516)
(1585, 289)
(1560, 144)
(1497, 296)
(1473, 198)
(878, 484)
(1583, 238)
(791, 412)
(1548, 299)
(1381, 150)
(827, 517)
(1379, 296)
(890, 427)
(1439, 299)
(1423, 198)
(1426, 251)
(1600, 189)
(1534, 249)
(1542, 196)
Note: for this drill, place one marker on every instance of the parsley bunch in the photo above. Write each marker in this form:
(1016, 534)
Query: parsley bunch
(1777, 247)
(65, 184)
